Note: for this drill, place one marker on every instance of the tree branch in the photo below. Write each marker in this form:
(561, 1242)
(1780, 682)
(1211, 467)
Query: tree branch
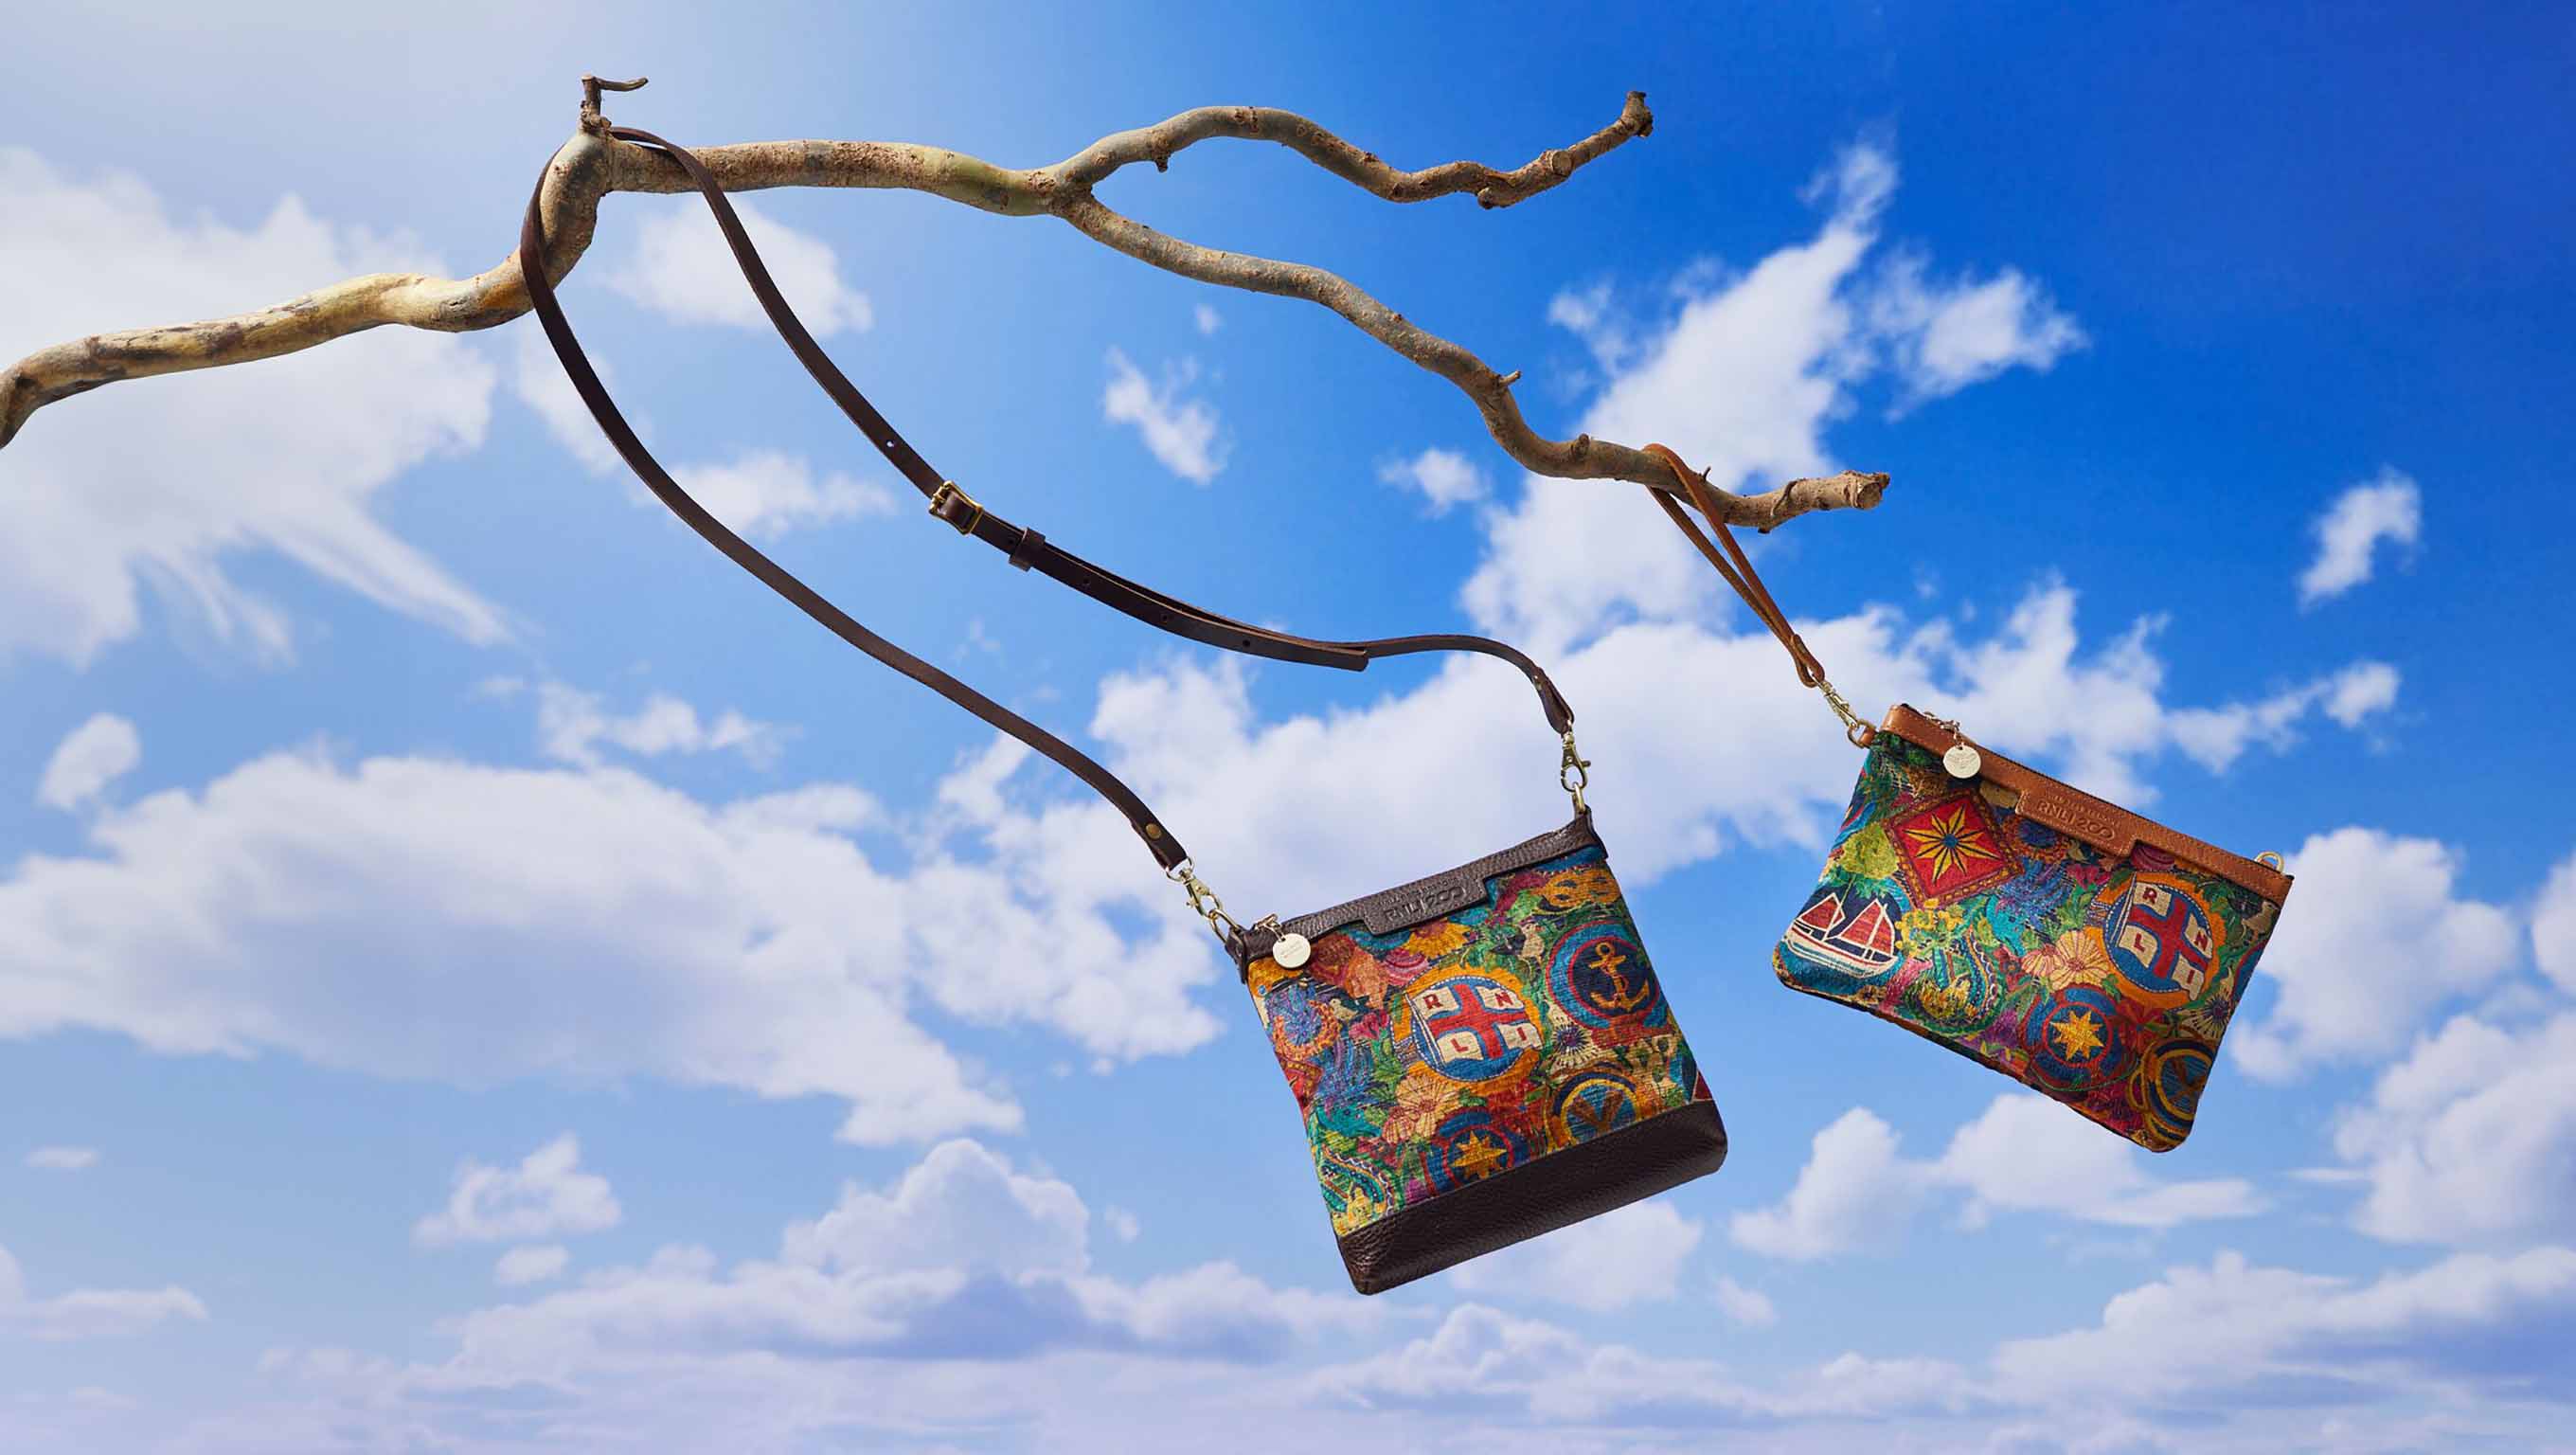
(590, 166)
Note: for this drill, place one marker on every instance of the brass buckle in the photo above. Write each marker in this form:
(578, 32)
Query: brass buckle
(940, 496)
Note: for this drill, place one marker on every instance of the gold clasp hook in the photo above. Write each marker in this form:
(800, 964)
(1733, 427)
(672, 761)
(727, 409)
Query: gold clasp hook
(1572, 774)
(1203, 901)
(1860, 732)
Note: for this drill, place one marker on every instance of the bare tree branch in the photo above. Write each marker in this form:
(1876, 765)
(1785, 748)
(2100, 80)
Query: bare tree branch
(591, 165)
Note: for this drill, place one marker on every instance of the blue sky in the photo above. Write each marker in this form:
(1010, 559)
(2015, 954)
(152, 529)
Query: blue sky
(477, 974)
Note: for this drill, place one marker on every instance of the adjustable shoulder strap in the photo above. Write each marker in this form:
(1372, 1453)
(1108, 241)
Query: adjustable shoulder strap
(1024, 546)
(1738, 570)
(585, 381)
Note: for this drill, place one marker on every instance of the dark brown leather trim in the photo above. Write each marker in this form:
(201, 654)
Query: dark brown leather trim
(1428, 897)
(1030, 550)
(1562, 1187)
(2097, 821)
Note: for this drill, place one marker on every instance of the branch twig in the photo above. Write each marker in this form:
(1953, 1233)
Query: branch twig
(590, 166)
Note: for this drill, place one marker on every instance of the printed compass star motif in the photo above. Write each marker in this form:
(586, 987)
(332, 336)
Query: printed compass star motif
(1949, 849)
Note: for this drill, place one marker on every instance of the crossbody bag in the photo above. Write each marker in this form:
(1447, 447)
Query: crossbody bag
(1480, 1056)
(2086, 951)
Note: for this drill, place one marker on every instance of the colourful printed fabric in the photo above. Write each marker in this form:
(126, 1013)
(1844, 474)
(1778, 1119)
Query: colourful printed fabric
(1465, 1046)
(2102, 981)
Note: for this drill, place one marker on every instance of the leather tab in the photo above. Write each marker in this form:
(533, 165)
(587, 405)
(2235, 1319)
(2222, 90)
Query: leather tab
(1023, 554)
(1420, 901)
(2069, 812)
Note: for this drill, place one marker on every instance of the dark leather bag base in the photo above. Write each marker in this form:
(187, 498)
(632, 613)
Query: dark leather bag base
(1563, 1187)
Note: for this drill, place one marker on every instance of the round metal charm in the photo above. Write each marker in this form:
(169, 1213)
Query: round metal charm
(1963, 760)
(1291, 951)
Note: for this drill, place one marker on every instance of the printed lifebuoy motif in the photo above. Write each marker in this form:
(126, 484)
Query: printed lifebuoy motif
(1472, 1027)
(2161, 937)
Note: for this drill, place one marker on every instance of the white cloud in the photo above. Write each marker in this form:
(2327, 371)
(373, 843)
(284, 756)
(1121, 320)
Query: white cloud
(961, 1206)
(2022, 1154)
(1445, 478)
(1207, 319)
(87, 1313)
(963, 1257)
(417, 917)
(531, 1263)
(1941, 338)
(1181, 432)
(764, 494)
(1741, 383)
(88, 759)
(2217, 737)
(159, 481)
(2373, 941)
(2553, 926)
(2252, 1326)
(538, 379)
(547, 1194)
(1259, 801)
(1515, 1369)
(1626, 1257)
(63, 1159)
(2102, 715)
(2360, 690)
(1854, 1188)
(1742, 378)
(2388, 507)
(2026, 1153)
(1594, 315)
(1749, 1307)
(572, 724)
(431, 918)
(2472, 1138)
(1122, 1223)
(681, 269)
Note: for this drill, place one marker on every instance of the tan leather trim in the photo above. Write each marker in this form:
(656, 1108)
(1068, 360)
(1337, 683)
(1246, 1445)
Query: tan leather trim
(2099, 822)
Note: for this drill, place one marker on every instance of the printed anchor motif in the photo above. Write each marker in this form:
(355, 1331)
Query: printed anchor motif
(1445, 1054)
(2101, 980)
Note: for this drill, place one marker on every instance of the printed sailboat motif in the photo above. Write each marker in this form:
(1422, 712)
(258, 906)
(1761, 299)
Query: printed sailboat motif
(1859, 942)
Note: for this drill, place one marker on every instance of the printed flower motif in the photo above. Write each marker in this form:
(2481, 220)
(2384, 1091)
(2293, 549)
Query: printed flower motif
(1927, 931)
(1866, 854)
(2074, 958)
(2207, 1019)
(1433, 941)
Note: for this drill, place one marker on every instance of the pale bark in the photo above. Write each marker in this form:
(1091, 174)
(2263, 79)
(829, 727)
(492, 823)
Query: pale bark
(592, 165)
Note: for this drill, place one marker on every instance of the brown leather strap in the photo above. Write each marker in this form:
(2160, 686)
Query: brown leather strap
(585, 381)
(1734, 565)
(1029, 550)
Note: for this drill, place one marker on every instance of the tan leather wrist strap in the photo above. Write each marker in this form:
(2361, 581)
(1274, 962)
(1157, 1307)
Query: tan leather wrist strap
(1737, 568)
